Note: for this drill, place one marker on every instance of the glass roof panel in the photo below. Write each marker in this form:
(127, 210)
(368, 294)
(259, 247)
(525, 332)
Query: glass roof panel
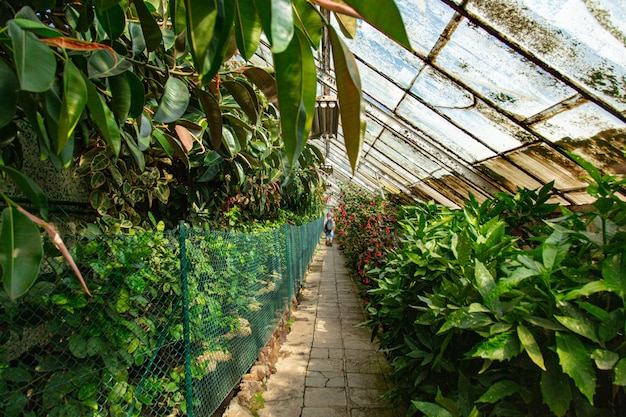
(407, 152)
(404, 171)
(605, 151)
(580, 197)
(442, 130)
(427, 193)
(548, 165)
(378, 88)
(581, 122)
(383, 54)
(498, 74)
(583, 39)
(508, 175)
(424, 21)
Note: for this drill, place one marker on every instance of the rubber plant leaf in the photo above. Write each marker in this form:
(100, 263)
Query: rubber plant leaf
(384, 16)
(121, 96)
(138, 156)
(247, 28)
(137, 95)
(350, 97)
(151, 30)
(307, 18)
(213, 115)
(72, 105)
(277, 19)
(105, 63)
(230, 141)
(105, 4)
(245, 96)
(576, 363)
(221, 39)
(30, 189)
(103, 117)
(179, 16)
(36, 27)
(201, 19)
(136, 35)
(263, 80)
(171, 144)
(112, 20)
(9, 89)
(35, 63)
(21, 252)
(174, 101)
(289, 79)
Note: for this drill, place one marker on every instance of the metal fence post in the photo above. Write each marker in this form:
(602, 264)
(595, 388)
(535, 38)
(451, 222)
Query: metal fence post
(186, 329)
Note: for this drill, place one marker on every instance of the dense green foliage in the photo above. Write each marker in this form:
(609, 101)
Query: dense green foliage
(507, 308)
(159, 106)
(365, 229)
(122, 351)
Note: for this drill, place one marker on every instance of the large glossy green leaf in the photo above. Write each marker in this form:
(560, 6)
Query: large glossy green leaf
(103, 118)
(530, 346)
(230, 141)
(201, 19)
(73, 103)
(37, 27)
(221, 39)
(499, 390)
(277, 19)
(121, 96)
(174, 101)
(172, 145)
(112, 20)
(576, 363)
(579, 326)
(245, 96)
(35, 63)
(430, 409)
(137, 95)
(103, 63)
(263, 80)
(555, 388)
(309, 21)
(350, 97)
(213, 115)
(9, 92)
(105, 4)
(151, 30)
(289, 78)
(384, 16)
(21, 252)
(30, 189)
(247, 28)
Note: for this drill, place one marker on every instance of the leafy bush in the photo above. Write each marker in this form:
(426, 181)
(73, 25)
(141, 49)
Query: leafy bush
(364, 229)
(485, 316)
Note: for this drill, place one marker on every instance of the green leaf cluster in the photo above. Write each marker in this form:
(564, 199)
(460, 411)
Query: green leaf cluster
(507, 307)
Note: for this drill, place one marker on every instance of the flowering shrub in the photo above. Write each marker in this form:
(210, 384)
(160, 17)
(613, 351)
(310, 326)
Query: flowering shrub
(364, 229)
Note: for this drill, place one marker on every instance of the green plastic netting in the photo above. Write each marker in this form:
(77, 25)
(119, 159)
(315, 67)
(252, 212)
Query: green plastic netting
(175, 320)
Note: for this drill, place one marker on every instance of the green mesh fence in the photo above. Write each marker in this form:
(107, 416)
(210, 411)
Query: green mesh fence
(175, 321)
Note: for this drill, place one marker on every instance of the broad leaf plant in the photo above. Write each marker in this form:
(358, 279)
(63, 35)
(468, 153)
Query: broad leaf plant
(139, 94)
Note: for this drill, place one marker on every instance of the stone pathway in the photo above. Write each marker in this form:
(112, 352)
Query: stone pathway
(328, 367)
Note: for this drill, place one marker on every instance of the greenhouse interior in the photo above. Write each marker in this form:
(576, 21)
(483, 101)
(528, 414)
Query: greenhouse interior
(309, 208)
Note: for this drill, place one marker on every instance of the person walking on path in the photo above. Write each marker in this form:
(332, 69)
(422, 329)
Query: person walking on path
(329, 229)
